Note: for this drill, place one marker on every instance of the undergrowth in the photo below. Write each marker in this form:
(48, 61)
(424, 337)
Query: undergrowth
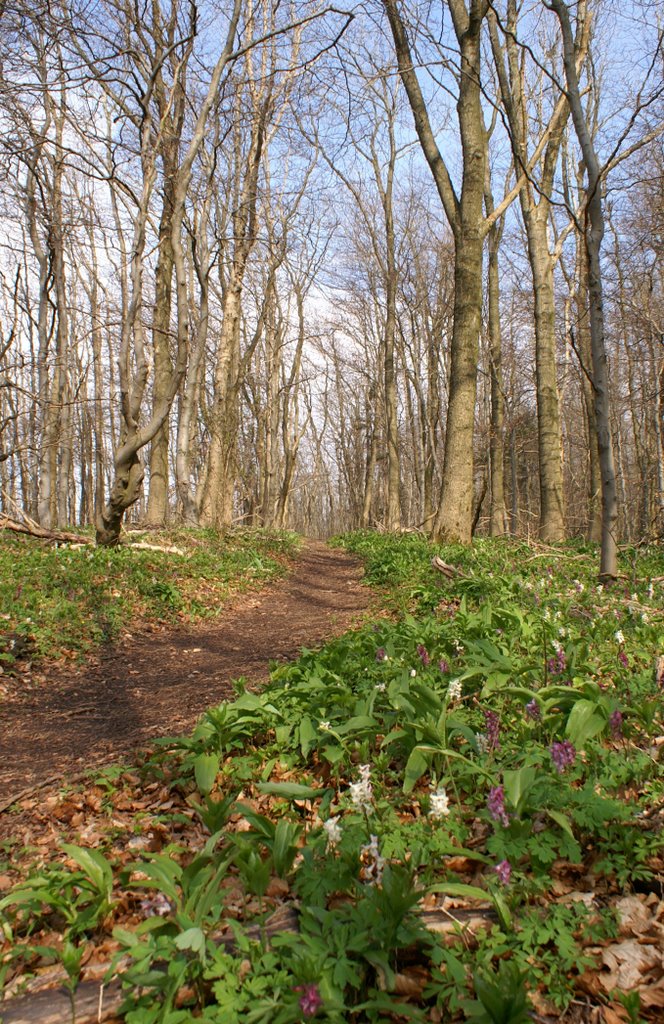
(484, 761)
(65, 600)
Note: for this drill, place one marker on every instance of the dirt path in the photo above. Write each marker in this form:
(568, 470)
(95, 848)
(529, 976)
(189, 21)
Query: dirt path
(158, 684)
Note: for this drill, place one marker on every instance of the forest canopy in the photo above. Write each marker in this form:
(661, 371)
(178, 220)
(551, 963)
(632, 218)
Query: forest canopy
(329, 266)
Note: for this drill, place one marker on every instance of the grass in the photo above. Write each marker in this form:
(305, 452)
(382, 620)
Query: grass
(64, 601)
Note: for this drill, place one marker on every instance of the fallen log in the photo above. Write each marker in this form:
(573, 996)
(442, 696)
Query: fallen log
(33, 529)
(94, 1002)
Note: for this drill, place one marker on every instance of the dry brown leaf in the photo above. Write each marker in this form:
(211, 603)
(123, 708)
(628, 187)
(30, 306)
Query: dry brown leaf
(411, 982)
(633, 916)
(277, 888)
(627, 962)
(590, 983)
(541, 1005)
(461, 865)
(614, 1014)
(652, 996)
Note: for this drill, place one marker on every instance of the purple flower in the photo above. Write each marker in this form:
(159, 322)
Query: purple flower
(558, 664)
(443, 666)
(424, 655)
(496, 805)
(310, 1000)
(563, 755)
(533, 709)
(504, 871)
(492, 730)
(616, 724)
(623, 659)
(381, 654)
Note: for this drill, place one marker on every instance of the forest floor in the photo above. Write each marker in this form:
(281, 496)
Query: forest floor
(66, 719)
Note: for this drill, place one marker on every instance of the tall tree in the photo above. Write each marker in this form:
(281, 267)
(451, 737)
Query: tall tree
(535, 200)
(469, 226)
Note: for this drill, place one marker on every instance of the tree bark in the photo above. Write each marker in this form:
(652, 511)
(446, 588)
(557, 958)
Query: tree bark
(453, 521)
(593, 235)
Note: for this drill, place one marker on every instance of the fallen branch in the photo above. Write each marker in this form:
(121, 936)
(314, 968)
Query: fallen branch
(168, 549)
(450, 571)
(29, 790)
(95, 1002)
(32, 529)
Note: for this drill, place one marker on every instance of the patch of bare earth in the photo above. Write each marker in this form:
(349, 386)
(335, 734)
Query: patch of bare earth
(158, 684)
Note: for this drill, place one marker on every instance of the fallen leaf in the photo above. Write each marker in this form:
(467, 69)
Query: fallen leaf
(614, 1016)
(627, 962)
(633, 916)
(277, 887)
(653, 995)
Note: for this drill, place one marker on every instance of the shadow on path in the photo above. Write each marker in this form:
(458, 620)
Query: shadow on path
(159, 684)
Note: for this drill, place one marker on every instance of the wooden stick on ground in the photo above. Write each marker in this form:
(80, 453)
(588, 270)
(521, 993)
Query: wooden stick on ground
(96, 1003)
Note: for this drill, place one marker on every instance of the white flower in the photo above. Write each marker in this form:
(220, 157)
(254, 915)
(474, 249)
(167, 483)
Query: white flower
(635, 597)
(454, 689)
(333, 829)
(361, 793)
(547, 614)
(413, 673)
(557, 646)
(372, 862)
(562, 631)
(620, 639)
(440, 804)
(528, 585)
(381, 687)
(651, 591)
(599, 588)
(482, 741)
(324, 726)
(644, 617)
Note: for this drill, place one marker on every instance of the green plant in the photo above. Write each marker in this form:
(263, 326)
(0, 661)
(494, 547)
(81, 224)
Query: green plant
(501, 996)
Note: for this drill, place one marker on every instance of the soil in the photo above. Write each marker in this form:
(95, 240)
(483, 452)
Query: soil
(159, 683)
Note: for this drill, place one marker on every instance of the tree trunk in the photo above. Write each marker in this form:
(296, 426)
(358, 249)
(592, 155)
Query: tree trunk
(593, 235)
(497, 521)
(157, 509)
(393, 503)
(594, 519)
(552, 510)
(453, 521)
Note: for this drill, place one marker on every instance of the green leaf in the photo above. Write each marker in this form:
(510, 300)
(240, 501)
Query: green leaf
(333, 754)
(586, 719)
(469, 892)
(284, 846)
(163, 873)
(192, 938)
(360, 723)
(517, 784)
(206, 768)
(307, 735)
(416, 765)
(564, 822)
(95, 866)
(502, 909)
(290, 790)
